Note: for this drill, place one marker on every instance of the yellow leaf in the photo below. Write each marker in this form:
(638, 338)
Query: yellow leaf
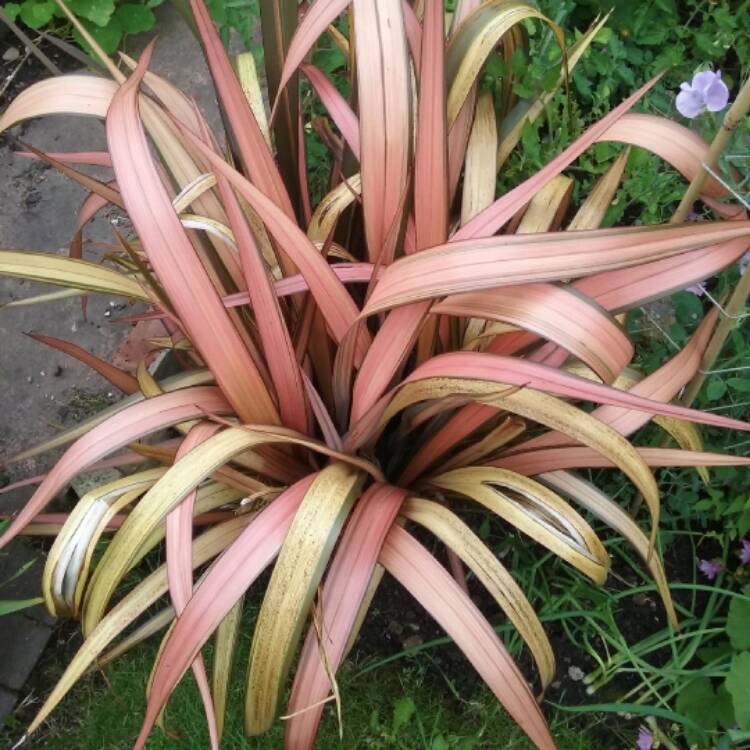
(535, 510)
(131, 606)
(296, 575)
(471, 44)
(69, 272)
(479, 171)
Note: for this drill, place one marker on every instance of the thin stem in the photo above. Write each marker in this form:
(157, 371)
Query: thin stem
(736, 303)
(732, 118)
(33, 48)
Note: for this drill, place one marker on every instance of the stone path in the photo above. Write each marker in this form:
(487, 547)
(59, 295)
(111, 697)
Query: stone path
(42, 390)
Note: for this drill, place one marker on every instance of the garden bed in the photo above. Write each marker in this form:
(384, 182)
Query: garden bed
(407, 685)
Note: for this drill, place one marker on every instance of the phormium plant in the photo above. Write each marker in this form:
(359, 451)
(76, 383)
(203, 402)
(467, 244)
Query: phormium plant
(355, 370)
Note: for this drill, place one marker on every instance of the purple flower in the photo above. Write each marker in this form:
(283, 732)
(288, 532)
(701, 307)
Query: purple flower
(698, 289)
(645, 739)
(744, 260)
(709, 568)
(745, 552)
(706, 92)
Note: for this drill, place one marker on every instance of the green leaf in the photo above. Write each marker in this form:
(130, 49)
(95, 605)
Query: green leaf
(549, 82)
(737, 682)
(712, 653)
(518, 62)
(96, 11)
(706, 707)
(603, 35)
(739, 384)
(403, 711)
(135, 18)
(522, 90)
(108, 36)
(715, 389)
(12, 10)
(724, 708)
(35, 14)
(738, 624)
(15, 605)
(496, 67)
(218, 11)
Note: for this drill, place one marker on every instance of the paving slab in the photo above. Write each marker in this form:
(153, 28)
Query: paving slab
(7, 701)
(20, 557)
(43, 391)
(38, 211)
(23, 640)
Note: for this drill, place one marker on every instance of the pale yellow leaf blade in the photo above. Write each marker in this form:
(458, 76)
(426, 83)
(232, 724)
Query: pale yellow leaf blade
(295, 578)
(534, 510)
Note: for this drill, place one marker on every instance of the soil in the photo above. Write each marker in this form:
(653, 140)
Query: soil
(22, 68)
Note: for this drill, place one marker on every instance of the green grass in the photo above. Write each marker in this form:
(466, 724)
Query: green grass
(400, 705)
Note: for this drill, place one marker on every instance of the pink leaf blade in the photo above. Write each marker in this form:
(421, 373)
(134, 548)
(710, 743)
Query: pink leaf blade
(431, 159)
(336, 304)
(179, 546)
(175, 262)
(120, 379)
(313, 24)
(662, 385)
(384, 85)
(581, 457)
(116, 432)
(506, 260)
(251, 144)
(480, 366)
(390, 348)
(89, 158)
(341, 597)
(277, 343)
(564, 318)
(495, 216)
(338, 108)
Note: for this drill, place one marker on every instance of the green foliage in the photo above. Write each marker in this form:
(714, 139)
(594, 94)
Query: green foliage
(240, 15)
(648, 37)
(737, 682)
(34, 14)
(9, 606)
(108, 21)
(397, 706)
(738, 623)
(707, 707)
